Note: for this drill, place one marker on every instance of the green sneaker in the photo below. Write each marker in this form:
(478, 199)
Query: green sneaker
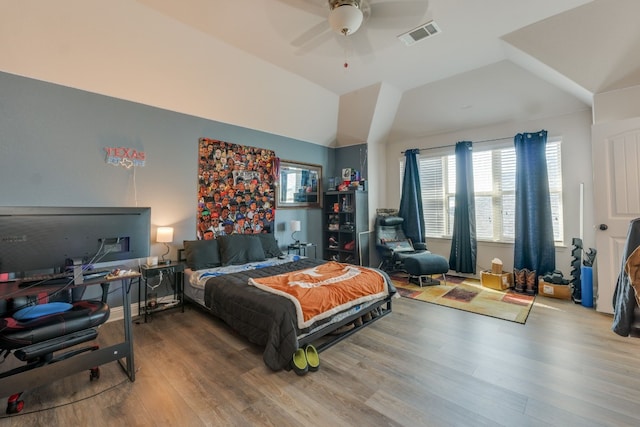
(313, 359)
(299, 362)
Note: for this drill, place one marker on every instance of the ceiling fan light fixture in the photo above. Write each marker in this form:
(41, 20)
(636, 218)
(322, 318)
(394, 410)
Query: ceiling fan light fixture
(345, 17)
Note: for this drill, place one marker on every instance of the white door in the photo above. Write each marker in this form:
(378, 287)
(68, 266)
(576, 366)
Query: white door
(616, 187)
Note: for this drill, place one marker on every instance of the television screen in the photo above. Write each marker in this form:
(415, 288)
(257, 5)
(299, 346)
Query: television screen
(47, 239)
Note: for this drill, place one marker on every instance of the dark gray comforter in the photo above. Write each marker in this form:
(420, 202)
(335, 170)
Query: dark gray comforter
(263, 318)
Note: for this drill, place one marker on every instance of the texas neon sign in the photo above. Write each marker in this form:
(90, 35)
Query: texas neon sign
(127, 157)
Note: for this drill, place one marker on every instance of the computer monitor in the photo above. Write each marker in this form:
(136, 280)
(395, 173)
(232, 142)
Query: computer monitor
(47, 239)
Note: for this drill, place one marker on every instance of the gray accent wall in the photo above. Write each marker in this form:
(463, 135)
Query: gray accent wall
(52, 153)
(353, 156)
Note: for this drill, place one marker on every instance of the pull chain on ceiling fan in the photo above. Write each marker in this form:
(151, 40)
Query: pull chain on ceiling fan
(346, 57)
(345, 17)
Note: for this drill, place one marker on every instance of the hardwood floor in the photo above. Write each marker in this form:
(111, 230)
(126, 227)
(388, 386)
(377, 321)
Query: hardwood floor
(423, 365)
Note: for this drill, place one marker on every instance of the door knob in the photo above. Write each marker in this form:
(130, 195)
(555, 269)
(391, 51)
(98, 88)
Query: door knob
(603, 227)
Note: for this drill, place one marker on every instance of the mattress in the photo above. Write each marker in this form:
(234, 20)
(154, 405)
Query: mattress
(195, 280)
(263, 318)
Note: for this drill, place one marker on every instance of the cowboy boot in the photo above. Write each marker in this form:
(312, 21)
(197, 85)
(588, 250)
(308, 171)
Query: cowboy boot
(520, 279)
(532, 283)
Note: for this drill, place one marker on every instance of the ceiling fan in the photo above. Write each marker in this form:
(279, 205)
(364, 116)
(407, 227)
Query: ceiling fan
(348, 21)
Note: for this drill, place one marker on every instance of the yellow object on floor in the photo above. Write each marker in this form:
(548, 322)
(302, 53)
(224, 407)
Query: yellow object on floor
(500, 281)
(313, 358)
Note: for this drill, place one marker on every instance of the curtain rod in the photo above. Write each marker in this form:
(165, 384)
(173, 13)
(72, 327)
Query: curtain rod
(475, 142)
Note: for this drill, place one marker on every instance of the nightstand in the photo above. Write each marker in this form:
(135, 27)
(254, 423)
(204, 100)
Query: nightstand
(302, 248)
(160, 274)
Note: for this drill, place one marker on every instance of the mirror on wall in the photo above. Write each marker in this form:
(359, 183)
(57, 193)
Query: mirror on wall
(299, 185)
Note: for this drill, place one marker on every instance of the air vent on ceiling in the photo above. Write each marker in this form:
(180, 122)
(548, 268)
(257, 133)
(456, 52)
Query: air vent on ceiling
(420, 33)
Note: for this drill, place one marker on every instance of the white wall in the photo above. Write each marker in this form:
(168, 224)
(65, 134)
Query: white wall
(575, 130)
(616, 105)
(126, 57)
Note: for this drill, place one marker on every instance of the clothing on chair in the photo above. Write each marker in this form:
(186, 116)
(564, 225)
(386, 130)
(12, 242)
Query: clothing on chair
(398, 253)
(624, 296)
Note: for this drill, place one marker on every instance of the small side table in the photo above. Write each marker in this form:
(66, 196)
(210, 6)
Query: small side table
(302, 248)
(174, 272)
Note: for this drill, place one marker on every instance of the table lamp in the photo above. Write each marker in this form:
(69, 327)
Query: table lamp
(165, 235)
(295, 227)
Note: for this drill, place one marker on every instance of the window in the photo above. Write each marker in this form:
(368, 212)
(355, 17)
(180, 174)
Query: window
(292, 183)
(494, 173)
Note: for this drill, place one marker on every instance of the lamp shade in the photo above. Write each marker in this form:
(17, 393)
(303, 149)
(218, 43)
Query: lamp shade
(295, 225)
(165, 235)
(345, 19)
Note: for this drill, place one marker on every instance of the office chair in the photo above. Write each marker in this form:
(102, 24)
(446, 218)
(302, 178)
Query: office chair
(34, 332)
(399, 253)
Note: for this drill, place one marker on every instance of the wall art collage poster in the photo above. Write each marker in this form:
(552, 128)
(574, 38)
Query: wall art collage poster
(236, 189)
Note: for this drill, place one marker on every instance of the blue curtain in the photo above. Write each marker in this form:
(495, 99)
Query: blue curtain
(464, 247)
(411, 199)
(534, 247)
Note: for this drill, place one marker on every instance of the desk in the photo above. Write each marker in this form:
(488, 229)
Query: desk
(173, 268)
(302, 248)
(48, 373)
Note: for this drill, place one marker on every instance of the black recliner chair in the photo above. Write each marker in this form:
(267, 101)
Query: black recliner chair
(399, 253)
(36, 333)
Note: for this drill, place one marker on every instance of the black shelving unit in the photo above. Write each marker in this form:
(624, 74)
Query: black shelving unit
(345, 215)
(171, 270)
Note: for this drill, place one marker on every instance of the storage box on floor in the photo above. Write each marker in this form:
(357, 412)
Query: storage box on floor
(499, 282)
(553, 290)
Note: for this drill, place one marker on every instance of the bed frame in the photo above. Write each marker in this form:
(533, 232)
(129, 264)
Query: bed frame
(326, 332)
(385, 305)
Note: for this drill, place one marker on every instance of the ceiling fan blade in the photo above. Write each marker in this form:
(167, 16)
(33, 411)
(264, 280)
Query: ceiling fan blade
(310, 35)
(396, 14)
(400, 8)
(357, 44)
(316, 7)
(316, 42)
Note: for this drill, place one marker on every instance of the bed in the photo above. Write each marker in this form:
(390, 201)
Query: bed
(233, 277)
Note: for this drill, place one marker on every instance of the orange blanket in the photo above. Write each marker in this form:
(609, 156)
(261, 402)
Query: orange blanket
(326, 289)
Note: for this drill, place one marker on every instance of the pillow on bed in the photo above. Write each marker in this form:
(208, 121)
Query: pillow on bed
(269, 245)
(240, 249)
(201, 254)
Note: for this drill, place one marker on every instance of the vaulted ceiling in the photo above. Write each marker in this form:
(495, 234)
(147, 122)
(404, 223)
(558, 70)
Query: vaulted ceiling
(494, 61)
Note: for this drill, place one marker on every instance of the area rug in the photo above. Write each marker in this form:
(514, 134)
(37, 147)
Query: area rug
(469, 295)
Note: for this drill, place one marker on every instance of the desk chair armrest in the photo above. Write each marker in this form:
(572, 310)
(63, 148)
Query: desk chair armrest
(384, 250)
(419, 246)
